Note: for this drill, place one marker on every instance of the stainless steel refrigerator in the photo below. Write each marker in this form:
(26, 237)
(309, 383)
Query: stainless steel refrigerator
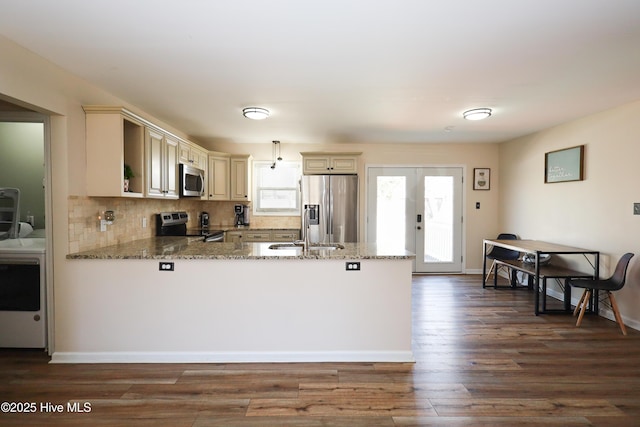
(336, 197)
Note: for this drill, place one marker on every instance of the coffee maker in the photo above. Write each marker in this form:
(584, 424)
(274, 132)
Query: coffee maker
(204, 220)
(242, 215)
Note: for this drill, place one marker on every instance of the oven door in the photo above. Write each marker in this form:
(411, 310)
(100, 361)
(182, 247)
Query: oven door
(22, 301)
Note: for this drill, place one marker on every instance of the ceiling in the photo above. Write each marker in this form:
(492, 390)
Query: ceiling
(344, 70)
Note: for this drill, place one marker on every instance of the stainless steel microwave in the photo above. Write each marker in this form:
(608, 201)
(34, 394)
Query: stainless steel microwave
(191, 181)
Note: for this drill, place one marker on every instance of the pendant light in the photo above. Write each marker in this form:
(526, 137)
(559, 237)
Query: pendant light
(275, 153)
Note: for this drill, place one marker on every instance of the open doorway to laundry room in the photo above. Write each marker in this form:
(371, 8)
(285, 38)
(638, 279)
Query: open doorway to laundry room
(25, 164)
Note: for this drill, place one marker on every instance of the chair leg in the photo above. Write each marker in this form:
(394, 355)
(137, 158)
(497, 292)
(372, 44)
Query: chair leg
(585, 303)
(575, 312)
(616, 313)
(493, 264)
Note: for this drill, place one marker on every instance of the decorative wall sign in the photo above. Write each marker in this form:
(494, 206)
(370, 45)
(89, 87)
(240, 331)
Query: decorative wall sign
(564, 165)
(481, 178)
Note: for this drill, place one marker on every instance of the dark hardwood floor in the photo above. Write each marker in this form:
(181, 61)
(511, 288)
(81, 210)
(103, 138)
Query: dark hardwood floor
(482, 359)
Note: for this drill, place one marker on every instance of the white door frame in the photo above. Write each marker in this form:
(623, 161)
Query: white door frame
(369, 166)
(34, 117)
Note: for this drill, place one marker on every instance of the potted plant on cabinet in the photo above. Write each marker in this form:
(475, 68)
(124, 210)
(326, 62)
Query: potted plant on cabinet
(128, 174)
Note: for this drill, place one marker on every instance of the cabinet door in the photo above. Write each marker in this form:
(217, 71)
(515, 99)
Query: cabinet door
(171, 177)
(285, 236)
(233, 236)
(199, 158)
(344, 164)
(256, 236)
(185, 153)
(155, 147)
(218, 176)
(315, 165)
(113, 140)
(240, 179)
(162, 166)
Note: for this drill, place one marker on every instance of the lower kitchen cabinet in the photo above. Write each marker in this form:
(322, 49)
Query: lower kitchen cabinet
(235, 236)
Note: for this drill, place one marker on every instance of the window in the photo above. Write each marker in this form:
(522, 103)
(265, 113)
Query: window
(277, 190)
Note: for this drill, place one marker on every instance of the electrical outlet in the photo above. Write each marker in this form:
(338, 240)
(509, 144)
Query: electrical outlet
(636, 208)
(165, 266)
(353, 266)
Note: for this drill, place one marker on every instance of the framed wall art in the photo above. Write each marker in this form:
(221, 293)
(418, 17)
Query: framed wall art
(564, 165)
(481, 178)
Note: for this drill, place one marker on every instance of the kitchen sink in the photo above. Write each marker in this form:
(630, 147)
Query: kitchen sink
(312, 247)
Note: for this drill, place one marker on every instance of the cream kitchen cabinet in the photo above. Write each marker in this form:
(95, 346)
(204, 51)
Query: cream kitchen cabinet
(218, 176)
(256, 236)
(240, 177)
(323, 163)
(265, 235)
(114, 137)
(190, 154)
(233, 236)
(162, 165)
(285, 235)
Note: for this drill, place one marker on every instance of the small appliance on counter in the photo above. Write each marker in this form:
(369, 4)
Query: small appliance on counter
(175, 224)
(242, 215)
(204, 220)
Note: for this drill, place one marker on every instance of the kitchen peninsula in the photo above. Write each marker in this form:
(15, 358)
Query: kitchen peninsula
(177, 299)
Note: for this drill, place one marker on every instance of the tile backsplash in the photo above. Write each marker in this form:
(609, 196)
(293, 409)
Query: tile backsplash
(84, 225)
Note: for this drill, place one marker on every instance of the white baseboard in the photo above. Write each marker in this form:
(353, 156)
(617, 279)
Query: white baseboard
(231, 357)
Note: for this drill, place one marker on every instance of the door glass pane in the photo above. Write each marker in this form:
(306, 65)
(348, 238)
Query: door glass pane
(390, 209)
(438, 219)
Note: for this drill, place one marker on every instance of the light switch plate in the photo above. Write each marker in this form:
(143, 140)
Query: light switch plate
(636, 208)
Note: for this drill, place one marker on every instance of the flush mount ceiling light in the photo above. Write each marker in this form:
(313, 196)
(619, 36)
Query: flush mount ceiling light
(255, 113)
(477, 114)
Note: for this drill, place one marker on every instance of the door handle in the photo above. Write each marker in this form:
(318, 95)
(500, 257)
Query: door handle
(419, 228)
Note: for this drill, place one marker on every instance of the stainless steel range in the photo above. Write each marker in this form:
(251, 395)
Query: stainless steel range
(175, 224)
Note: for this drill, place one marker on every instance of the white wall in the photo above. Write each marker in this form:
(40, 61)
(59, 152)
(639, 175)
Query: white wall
(596, 213)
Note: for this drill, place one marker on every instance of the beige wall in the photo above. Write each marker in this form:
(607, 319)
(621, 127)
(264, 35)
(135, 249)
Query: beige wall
(596, 213)
(478, 224)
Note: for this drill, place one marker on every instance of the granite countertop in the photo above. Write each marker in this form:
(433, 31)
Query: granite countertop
(195, 248)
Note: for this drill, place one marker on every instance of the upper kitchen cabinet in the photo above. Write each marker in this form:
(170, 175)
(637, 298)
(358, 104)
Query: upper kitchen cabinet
(218, 176)
(240, 177)
(323, 163)
(162, 165)
(191, 154)
(114, 138)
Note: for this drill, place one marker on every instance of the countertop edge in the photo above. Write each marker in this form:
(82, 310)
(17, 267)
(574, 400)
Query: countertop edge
(167, 248)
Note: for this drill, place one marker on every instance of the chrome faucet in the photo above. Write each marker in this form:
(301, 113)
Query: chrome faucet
(305, 243)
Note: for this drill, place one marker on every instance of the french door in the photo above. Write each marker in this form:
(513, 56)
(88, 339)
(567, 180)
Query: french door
(419, 209)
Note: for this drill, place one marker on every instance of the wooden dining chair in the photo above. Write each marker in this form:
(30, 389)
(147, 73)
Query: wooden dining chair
(613, 283)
